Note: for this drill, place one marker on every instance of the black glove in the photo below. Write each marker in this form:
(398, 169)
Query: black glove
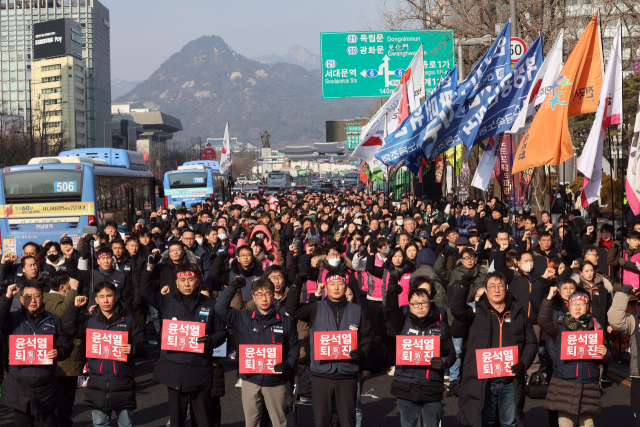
(467, 280)
(356, 355)
(239, 282)
(394, 276)
(438, 363)
(300, 280)
(362, 250)
(627, 289)
(449, 250)
(281, 367)
(518, 369)
(206, 340)
(153, 259)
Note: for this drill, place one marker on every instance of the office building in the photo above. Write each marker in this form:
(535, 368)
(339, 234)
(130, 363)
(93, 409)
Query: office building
(17, 18)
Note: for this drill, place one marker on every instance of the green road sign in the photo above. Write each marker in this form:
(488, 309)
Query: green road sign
(370, 64)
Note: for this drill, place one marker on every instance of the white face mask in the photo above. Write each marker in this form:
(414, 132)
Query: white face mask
(527, 267)
(199, 241)
(96, 244)
(164, 216)
(222, 236)
(333, 262)
(400, 222)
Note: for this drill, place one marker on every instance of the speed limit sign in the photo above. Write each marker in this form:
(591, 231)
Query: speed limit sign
(518, 48)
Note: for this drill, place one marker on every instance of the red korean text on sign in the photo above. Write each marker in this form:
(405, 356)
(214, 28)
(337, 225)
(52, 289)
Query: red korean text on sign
(580, 345)
(259, 358)
(106, 344)
(253, 203)
(416, 349)
(334, 345)
(179, 335)
(496, 362)
(30, 349)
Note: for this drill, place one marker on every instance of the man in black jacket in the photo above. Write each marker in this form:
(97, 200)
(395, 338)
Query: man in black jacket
(111, 385)
(333, 379)
(264, 325)
(187, 375)
(106, 272)
(31, 390)
(499, 320)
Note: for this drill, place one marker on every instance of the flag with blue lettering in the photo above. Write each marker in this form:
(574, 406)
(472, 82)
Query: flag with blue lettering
(491, 68)
(406, 140)
(510, 96)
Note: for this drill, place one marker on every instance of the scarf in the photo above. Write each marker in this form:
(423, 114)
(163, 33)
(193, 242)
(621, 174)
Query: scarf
(606, 244)
(579, 324)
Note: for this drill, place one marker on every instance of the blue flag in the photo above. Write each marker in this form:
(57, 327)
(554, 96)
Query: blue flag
(491, 68)
(510, 96)
(406, 141)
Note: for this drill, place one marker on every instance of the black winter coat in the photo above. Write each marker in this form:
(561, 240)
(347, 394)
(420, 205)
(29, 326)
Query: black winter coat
(111, 383)
(472, 389)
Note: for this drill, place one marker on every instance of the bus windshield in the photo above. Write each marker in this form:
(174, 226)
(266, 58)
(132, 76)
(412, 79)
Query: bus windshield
(30, 185)
(187, 180)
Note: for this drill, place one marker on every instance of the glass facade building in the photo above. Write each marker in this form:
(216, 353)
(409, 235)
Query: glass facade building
(16, 39)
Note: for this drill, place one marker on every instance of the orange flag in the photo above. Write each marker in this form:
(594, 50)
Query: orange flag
(575, 91)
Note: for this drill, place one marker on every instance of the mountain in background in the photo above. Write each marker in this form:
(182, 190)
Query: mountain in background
(206, 83)
(297, 55)
(120, 87)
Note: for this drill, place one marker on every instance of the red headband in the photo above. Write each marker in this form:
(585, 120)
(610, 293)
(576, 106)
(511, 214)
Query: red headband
(186, 274)
(335, 277)
(103, 254)
(582, 298)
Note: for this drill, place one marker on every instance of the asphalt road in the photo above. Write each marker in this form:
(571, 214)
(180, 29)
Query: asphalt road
(378, 405)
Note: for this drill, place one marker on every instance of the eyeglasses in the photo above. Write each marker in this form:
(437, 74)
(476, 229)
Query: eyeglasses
(245, 256)
(278, 278)
(578, 304)
(419, 304)
(175, 251)
(263, 295)
(495, 287)
(469, 258)
(567, 289)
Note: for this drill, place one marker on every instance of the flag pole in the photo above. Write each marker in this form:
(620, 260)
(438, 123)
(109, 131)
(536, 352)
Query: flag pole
(613, 206)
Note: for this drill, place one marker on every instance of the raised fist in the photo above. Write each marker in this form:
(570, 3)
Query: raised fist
(12, 291)
(80, 301)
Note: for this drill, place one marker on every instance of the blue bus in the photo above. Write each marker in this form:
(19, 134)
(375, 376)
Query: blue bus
(351, 179)
(52, 196)
(193, 182)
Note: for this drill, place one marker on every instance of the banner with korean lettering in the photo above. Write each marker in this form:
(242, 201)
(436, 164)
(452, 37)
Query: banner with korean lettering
(179, 335)
(253, 203)
(30, 349)
(506, 159)
(416, 350)
(496, 362)
(334, 345)
(580, 345)
(259, 358)
(106, 344)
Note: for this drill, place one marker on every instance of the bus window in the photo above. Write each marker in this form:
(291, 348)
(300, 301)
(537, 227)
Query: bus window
(59, 184)
(188, 180)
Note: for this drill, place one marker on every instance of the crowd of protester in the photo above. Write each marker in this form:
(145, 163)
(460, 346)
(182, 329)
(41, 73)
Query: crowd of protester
(280, 269)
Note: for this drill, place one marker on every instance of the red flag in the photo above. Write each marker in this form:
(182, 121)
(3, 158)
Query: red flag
(403, 110)
(145, 157)
(420, 174)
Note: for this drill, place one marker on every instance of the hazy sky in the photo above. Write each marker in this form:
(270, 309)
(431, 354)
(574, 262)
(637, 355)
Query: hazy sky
(144, 33)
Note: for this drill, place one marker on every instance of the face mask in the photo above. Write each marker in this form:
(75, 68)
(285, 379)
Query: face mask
(334, 262)
(400, 222)
(260, 236)
(222, 236)
(526, 267)
(96, 244)
(386, 251)
(52, 257)
(164, 216)
(313, 217)
(199, 241)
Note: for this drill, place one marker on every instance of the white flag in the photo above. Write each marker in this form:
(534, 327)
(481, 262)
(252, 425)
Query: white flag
(487, 164)
(415, 83)
(542, 84)
(371, 137)
(226, 159)
(609, 113)
(632, 184)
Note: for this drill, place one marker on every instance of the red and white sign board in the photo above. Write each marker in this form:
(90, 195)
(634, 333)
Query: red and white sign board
(580, 345)
(273, 207)
(416, 350)
(240, 201)
(253, 203)
(518, 48)
(208, 154)
(180, 335)
(496, 362)
(259, 358)
(106, 344)
(30, 349)
(334, 345)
